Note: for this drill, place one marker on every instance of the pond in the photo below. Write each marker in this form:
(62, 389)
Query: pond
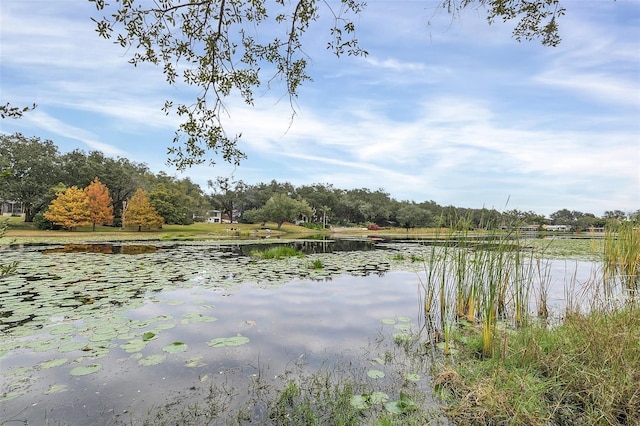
(107, 334)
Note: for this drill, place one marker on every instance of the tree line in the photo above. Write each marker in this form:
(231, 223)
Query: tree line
(33, 172)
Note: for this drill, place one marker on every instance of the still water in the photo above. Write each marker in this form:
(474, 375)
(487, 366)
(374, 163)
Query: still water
(108, 336)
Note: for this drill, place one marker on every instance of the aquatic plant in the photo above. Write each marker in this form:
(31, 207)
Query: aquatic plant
(278, 252)
(622, 258)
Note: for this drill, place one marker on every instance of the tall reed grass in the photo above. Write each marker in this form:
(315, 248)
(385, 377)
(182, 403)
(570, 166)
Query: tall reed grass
(480, 279)
(622, 259)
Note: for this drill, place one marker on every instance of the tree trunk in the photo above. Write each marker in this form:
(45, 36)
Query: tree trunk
(28, 214)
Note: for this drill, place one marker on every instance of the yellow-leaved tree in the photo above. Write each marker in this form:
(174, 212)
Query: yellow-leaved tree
(70, 209)
(140, 212)
(100, 203)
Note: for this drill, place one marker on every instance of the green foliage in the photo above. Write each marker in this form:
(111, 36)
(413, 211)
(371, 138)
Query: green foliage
(413, 216)
(622, 257)
(315, 403)
(583, 371)
(42, 223)
(281, 208)
(33, 166)
(279, 252)
(171, 204)
(227, 49)
(312, 225)
(211, 46)
(9, 111)
(316, 264)
(9, 268)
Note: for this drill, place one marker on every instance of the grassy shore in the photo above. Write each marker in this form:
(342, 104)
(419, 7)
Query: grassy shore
(20, 232)
(585, 371)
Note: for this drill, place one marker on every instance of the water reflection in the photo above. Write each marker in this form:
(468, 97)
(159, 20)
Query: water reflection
(103, 249)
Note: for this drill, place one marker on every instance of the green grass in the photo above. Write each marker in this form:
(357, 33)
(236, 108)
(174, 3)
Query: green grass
(278, 252)
(316, 264)
(583, 372)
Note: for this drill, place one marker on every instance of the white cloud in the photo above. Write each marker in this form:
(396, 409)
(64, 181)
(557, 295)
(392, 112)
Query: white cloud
(42, 120)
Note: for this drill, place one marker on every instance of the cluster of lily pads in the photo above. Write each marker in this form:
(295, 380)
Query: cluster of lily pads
(72, 301)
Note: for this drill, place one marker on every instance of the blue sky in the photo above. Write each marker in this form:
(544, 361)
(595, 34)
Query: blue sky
(457, 112)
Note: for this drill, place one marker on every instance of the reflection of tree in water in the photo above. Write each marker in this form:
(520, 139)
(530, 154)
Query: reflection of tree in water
(103, 249)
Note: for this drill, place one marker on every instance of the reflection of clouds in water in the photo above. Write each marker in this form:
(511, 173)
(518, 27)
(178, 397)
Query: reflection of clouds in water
(312, 322)
(570, 279)
(309, 322)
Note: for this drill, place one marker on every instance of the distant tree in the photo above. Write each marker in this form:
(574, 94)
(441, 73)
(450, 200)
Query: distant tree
(139, 212)
(171, 203)
(70, 209)
(320, 197)
(410, 215)
(254, 216)
(227, 194)
(100, 203)
(281, 208)
(30, 167)
(563, 217)
(256, 196)
(615, 214)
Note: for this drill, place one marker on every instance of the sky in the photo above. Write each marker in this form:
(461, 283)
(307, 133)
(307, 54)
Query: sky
(454, 111)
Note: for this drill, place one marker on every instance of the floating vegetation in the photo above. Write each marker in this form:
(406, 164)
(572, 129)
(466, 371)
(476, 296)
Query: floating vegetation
(151, 360)
(86, 369)
(375, 374)
(194, 317)
(278, 252)
(175, 347)
(221, 342)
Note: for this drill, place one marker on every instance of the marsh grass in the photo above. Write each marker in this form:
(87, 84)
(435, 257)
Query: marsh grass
(585, 371)
(622, 258)
(513, 366)
(480, 280)
(277, 253)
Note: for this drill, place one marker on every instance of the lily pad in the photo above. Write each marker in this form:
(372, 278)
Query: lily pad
(152, 360)
(375, 374)
(379, 398)
(412, 377)
(194, 317)
(403, 327)
(72, 346)
(360, 402)
(221, 342)
(148, 336)
(86, 369)
(195, 362)
(134, 346)
(175, 347)
(56, 389)
(52, 363)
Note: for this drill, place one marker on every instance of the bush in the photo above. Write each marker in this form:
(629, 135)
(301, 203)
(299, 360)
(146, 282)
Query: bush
(312, 225)
(42, 223)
